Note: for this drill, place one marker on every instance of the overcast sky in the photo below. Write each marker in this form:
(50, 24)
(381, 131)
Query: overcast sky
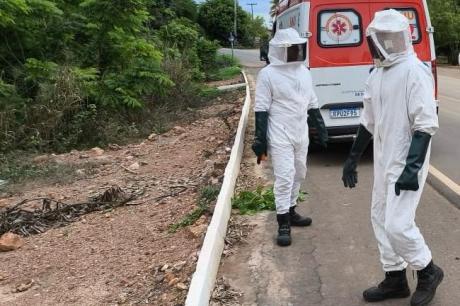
(262, 8)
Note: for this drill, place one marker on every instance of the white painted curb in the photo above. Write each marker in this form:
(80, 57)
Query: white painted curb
(231, 87)
(208, 263)
(444, 185)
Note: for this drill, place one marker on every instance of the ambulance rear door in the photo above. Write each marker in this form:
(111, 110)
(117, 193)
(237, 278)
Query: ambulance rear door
(340, 63)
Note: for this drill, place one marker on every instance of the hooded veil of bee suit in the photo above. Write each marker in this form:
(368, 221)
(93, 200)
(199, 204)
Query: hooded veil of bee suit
(284, 100)
(400, 115)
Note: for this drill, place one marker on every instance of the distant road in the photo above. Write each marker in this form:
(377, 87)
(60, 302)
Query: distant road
(247, 57)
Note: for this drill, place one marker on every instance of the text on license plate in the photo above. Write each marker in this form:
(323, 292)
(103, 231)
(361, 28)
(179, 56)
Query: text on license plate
(344, 113)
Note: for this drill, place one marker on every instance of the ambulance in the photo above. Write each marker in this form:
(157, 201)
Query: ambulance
(338, 55)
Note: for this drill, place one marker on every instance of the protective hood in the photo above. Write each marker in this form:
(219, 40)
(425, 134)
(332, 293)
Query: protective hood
(281, 42)
(389, 38)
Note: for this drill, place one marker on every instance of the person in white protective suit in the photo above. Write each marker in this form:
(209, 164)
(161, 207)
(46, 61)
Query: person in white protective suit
(284, 101)
(400, 114)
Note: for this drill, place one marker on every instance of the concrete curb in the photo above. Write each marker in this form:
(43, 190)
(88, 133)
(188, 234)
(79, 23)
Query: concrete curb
(444, 185)
(208, 262)
(231, 87)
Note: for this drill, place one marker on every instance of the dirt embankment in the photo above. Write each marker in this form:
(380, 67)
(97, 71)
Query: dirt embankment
(126, 255)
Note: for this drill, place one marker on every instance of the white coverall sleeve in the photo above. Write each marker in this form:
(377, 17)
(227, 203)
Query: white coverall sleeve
(313, 98)
(421, 102)
(263, 98)
(367, 117)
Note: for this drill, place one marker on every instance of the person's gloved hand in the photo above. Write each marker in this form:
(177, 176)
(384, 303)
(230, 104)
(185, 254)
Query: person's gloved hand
(315, 118)
(414, 162)
(350, 175)
(260, 149)
(260, 140)
(407, 181)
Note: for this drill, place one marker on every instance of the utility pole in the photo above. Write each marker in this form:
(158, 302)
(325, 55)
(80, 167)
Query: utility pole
(234, 26)
(252, 8)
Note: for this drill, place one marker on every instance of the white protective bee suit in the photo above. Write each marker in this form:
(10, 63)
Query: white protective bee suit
(399, 100)
(285, 90)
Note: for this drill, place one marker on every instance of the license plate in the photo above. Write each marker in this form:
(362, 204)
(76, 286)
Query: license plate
(344, 113)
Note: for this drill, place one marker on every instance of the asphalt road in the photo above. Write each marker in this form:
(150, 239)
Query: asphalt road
(331, 262)
(446, 143)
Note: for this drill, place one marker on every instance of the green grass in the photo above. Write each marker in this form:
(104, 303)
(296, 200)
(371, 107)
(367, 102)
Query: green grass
(207, 195)
(209, 92)
(225, 60)
(251, 202)
(225, 73)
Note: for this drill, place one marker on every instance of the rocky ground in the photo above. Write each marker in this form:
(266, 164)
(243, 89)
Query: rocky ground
(125, 255)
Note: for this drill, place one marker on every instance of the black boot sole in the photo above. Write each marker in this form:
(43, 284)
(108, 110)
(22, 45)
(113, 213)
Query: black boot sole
(430, 298)
(301, 224)
(397, 295)
(283, 242)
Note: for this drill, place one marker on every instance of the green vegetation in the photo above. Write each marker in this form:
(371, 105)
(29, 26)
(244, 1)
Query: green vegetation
(226, 73)
(445, 17)
(81, 73)
(250, 202)
(207, 196)
(216, 16)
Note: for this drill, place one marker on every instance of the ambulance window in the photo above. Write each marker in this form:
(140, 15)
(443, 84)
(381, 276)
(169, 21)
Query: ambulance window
(339, 28)
(412, 15)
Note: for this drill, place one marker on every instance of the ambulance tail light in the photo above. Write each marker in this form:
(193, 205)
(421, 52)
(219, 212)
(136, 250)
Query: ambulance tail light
(434, 70)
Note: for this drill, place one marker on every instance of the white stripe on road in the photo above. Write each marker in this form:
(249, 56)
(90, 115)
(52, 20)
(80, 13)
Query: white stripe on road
(445, 180)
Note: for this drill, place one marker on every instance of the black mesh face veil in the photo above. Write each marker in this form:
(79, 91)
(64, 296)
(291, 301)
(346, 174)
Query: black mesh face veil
(297, 53)
(375, 52)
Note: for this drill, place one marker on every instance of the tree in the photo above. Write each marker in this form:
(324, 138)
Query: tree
(274, 4)
(445, 17)
(217, 19)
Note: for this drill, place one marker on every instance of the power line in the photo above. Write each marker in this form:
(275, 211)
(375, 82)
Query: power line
(252, 8)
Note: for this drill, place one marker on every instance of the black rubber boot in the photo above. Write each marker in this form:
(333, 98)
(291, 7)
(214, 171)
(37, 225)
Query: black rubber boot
(394, 286)
(428, 281)
(284, 230)
(298, 220)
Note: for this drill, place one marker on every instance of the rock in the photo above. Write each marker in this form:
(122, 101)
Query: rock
(84, 156)
(228, 149)
(102, 160)
(198, 230)
(179, 265)
(152, 137)
(41, 159)
(182, 286)
(129, 157)
(169, 277)
(159, 278)
(114, 147)
(164, 268)
(122, 298)
(24, 286)
(179, 130)
(80, 172)
(10, 242)
(134, 167)
(174, 281)
(97, 151)
(201, 220)
(2, 278)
